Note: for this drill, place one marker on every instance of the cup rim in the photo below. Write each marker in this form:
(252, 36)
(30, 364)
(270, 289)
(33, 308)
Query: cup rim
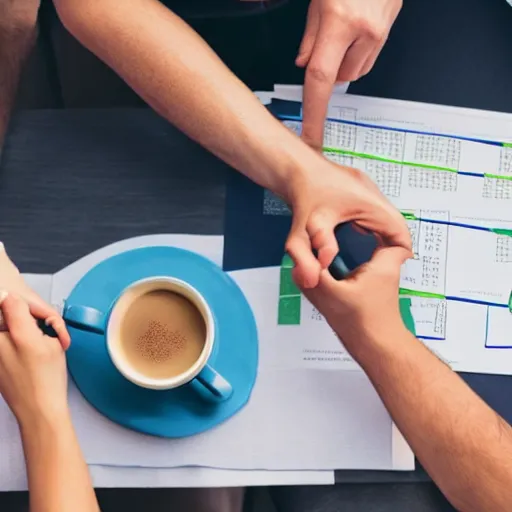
(178, 380)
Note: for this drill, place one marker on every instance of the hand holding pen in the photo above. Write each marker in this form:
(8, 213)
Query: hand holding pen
(12, 282)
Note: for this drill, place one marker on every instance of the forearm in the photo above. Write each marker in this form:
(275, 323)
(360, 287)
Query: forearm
(176, 72)
(58, 476)
(18, 29)
(462, 443)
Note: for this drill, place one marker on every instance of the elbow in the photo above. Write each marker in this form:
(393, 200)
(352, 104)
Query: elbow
(20, 18)
(77, 15)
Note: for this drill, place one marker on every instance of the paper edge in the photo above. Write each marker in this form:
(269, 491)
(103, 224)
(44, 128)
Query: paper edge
(401, 453)
(190, 477)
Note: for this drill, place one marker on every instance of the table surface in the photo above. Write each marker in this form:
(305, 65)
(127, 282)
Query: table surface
(74, 181)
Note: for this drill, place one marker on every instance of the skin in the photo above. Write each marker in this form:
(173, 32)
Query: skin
(341, 43)
(33, 382)
(463, 444)
(171, 67)
(18, 30)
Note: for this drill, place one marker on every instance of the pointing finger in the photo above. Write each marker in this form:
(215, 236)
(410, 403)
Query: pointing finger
(330, 47)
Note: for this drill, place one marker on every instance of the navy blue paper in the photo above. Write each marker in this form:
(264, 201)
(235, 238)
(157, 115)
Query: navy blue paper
(251, 239)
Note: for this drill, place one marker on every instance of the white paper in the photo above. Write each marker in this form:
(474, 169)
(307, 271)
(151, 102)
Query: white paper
(41, 284)
(440, 178)
(12, 464)
(304, 433)
(125, 477)
(250, 440)
(294, 92)
(104, 476)
(14, 478)
(328, 427)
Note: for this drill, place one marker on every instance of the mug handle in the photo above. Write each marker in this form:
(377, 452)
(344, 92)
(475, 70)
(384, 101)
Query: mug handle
(92, 320)
(85, 318)
(214, 383)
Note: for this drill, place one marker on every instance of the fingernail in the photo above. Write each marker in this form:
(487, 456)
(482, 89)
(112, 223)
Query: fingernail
(2, 247)
(3, 296)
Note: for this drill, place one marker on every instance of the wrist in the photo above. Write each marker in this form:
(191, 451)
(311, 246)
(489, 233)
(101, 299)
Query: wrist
(369, 344)
(47, 422)
(297, 173)
(284, 163)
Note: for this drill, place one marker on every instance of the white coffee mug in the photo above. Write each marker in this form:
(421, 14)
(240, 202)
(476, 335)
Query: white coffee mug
(109, 324)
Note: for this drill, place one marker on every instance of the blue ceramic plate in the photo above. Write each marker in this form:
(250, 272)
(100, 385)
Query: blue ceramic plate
(173, 413)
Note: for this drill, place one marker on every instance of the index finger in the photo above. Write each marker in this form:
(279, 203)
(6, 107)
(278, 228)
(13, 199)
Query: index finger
(330, 47)
(39, 309)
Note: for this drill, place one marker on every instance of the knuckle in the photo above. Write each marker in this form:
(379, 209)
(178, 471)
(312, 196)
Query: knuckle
(356, 174)
(291, 247)
(19, 337)
(19, 15)
(318, 74)
(369, 29)
(311, 140)
(337, 10)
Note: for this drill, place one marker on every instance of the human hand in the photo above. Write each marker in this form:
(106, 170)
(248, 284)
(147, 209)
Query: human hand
(330, 195)
(33, 377)
(341, 43)
(365, 305)
(12, 281)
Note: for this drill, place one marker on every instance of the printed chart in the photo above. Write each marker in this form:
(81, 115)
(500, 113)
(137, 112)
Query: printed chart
(460, 279)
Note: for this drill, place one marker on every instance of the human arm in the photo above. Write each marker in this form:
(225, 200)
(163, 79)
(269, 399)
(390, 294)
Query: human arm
(177, 73)
(18, 29)
(463, 444)
(33, 382)
(173, 69)
(341, 43)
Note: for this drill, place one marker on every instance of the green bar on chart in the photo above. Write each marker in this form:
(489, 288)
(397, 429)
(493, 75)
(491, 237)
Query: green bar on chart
(405, 311)
(289, 295)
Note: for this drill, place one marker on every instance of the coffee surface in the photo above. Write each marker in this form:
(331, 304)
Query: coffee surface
(162, 334)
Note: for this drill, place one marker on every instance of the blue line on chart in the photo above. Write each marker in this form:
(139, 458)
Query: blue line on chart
(285, 117)
(486, 326)
(455, 224)
(475, 301)
(487, 334)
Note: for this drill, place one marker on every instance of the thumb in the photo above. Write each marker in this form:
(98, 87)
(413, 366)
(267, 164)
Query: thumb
(40, 309)
(323, 239)
(388, 261)
(307, 268)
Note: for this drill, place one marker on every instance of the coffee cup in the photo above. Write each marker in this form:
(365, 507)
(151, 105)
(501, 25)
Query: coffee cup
(160, 334)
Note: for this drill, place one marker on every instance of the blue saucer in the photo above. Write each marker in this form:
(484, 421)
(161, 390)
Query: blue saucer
(173, 413)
